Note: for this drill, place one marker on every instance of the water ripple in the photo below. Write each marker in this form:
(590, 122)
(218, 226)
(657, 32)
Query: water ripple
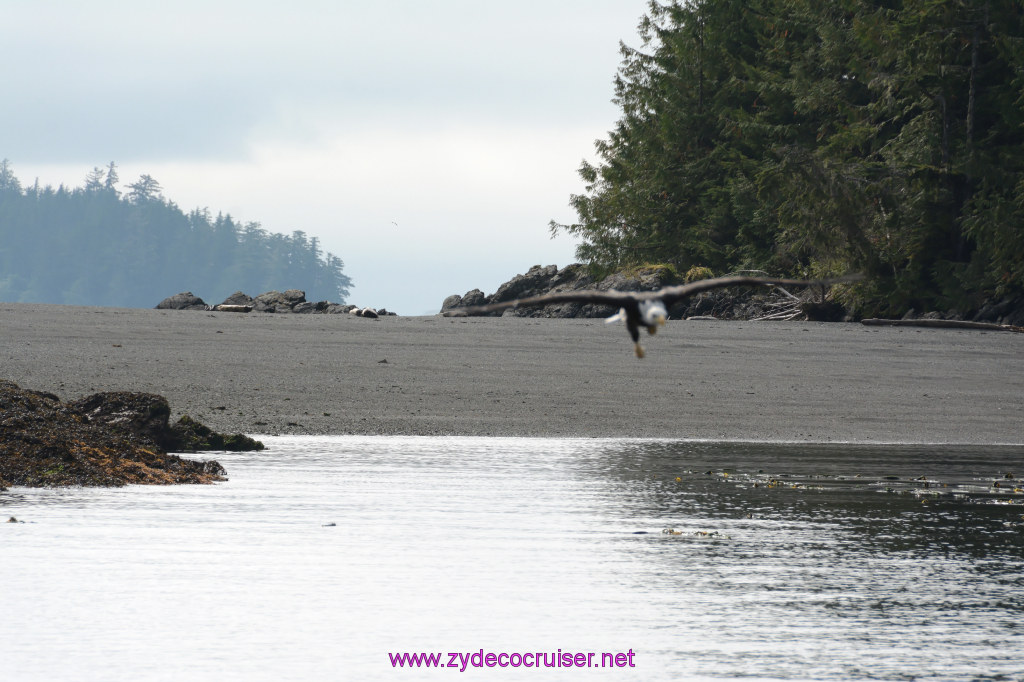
(709, 560)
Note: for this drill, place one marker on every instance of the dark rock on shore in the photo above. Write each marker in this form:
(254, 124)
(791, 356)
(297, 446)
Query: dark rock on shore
(192, 436)
(237, 298)
(290, 301)
(1007, 311)
(1004, 311)
(144, 415)
(106, 439)
(278, 302)
(823, 311)
(294, 301)
(537, 280)
(147, 416)
(186, 300)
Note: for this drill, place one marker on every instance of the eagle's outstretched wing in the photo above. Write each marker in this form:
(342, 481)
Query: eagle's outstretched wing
(612, 298)
(668, 295)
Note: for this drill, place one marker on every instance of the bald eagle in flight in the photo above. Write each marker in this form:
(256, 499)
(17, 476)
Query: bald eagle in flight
(647, 309)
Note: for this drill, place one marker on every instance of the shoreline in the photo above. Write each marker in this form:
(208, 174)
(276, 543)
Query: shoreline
(645, 439)
(793, 382)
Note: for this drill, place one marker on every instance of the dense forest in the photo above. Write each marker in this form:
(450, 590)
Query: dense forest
(93, 245)
(811, 137)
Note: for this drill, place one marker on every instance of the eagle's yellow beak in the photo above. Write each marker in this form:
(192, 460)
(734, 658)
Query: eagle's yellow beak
(659, 321)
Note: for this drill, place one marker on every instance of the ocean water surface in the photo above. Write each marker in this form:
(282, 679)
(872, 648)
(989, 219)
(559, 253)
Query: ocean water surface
(328, 558)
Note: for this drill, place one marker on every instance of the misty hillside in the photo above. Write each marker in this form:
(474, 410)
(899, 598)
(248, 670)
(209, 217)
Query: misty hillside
(94, 245)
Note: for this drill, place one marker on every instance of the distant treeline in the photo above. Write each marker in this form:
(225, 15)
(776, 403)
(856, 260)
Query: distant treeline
(93, 245)
(814, 138)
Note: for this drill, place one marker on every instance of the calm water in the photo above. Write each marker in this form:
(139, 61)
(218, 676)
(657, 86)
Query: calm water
(786, 562)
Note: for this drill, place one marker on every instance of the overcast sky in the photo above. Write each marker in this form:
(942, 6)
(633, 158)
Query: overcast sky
(427, 144)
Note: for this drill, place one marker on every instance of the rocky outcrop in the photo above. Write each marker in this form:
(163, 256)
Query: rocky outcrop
(144, 415)
(738, 303)
(537, 280)
(294, 301)
(278, 302)
(147, 416)
(472, 297)
(1004, 311)
(186, 300)
(540, 280)
(192, 436)
(290, 301)
(106, 439)
(238, 298)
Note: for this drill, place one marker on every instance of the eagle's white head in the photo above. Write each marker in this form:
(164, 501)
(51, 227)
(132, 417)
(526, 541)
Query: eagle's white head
(653, 314)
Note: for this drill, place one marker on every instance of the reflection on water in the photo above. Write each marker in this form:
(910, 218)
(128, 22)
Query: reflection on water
(783, 562)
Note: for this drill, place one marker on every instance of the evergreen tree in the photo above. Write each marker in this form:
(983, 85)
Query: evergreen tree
(144, 189)
(95, 179)
(8, 183)
(110, 184)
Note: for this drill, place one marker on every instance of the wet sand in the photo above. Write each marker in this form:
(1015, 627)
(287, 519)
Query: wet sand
(338, 374)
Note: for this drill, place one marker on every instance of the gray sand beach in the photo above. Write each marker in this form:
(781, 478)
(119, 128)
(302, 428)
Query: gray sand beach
(338, 374)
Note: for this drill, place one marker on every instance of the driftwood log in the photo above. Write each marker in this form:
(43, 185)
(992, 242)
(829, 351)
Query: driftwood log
(942, 324)
(229, 308)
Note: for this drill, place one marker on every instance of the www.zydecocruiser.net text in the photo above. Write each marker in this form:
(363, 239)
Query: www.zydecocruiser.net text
(463, 660)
